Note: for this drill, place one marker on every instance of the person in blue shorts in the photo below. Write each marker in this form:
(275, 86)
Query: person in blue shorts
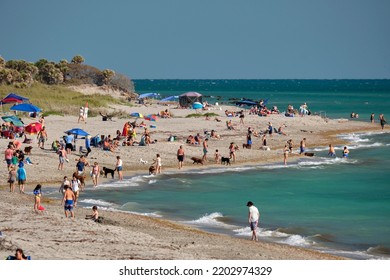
(345, 152)
(68, 201)
(302, 146)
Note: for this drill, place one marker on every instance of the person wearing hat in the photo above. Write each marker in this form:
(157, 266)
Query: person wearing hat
(253, 218)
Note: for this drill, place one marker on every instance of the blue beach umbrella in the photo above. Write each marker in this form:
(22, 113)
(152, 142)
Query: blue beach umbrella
(77, 132)
(25, 107)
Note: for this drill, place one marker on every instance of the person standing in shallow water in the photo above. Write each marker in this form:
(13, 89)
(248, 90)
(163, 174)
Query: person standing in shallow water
(382, 120)
(253, 219)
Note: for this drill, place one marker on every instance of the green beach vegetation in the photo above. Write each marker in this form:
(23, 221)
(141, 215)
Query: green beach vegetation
(48, 85)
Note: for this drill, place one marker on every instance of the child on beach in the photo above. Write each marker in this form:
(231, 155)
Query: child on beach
(217, 156)
(12, 178)
(37, 195)
(95, 214)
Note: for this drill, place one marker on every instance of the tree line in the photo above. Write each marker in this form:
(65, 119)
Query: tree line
(23, 74)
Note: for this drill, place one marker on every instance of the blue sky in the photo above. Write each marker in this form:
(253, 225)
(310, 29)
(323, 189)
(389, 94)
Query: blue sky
(209, 39)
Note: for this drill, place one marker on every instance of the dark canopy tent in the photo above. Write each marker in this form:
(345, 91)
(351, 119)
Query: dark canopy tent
(186, 99)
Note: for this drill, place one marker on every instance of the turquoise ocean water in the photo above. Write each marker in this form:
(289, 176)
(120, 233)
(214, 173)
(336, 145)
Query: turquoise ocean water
(334, 205)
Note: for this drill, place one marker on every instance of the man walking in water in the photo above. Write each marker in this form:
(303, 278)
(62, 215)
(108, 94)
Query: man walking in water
(253, 218)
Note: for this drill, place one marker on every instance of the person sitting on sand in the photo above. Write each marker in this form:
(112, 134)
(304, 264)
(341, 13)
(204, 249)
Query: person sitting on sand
(229, 125)
(191, 140)
(94, 216)
(280, 130)
(213, 134)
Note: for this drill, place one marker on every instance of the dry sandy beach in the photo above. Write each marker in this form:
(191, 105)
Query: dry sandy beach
(49, 235)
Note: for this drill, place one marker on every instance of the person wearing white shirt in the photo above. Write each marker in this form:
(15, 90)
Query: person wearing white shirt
(253, 218)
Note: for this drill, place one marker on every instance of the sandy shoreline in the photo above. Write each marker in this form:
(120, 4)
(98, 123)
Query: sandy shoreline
(125, 236)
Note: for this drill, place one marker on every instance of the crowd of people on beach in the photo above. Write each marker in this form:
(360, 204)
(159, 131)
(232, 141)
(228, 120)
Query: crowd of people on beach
(71, 189)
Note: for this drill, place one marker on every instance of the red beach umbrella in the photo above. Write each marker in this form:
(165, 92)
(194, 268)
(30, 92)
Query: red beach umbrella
(33, 128)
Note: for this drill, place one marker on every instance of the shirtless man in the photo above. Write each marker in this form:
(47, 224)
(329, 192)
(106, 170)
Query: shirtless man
(205, 149)
(303, 146)
(180, 156)
(68, 200)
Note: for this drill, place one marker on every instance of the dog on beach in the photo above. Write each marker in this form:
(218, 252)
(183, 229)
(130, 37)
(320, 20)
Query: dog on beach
(152, 170)
(225, 160)
(309, 154)
(247, 146)
(143, 161)
(27, 150)
(105, 171)
(197, 160)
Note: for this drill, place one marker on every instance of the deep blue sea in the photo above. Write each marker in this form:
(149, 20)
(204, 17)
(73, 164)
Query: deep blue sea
(334, 205)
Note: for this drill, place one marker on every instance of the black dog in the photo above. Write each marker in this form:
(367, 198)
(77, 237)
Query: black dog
(107, 171)
(225, 160)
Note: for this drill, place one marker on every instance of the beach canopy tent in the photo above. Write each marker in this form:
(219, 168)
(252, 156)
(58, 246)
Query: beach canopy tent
(25, 107)
(188, 98)
(13, 98)
(14, 119)
(149, 95)
(77, 132)
(33, 128)
(170, 98)
(247, 103)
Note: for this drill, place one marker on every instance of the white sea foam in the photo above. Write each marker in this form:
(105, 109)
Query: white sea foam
(276, 236)
(96, 202)
(210, 220)
(297, 240)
